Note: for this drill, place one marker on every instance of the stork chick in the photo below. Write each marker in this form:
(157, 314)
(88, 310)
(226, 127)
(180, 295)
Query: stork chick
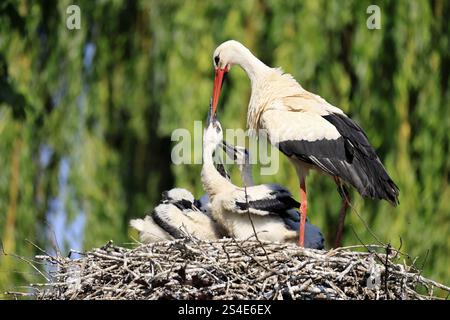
(313, 236)
(232, 205)
(177, 215)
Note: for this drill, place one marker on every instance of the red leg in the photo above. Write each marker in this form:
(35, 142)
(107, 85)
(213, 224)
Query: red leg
(303, 207)
(340, 229)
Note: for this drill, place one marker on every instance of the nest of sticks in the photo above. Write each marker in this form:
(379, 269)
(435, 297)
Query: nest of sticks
(230, 269)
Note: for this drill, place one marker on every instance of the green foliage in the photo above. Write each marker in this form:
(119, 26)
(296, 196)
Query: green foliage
(152, 73)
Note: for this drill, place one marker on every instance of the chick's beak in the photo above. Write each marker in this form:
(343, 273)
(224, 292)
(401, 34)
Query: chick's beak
(229, 149)
(211, 118)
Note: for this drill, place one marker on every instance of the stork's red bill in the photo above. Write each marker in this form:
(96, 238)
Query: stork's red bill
(218, 81)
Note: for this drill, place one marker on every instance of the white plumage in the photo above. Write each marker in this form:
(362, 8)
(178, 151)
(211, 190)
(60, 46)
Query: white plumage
(178, 195)
(313, 236)
(149, 231)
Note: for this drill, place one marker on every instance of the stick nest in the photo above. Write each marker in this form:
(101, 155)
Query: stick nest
(230, 269)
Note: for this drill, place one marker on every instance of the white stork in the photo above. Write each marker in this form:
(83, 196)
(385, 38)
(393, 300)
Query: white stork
(306, 128)
(177, 212)
(268, 204)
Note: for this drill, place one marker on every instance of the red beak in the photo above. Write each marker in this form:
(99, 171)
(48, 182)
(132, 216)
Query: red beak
(218, 79)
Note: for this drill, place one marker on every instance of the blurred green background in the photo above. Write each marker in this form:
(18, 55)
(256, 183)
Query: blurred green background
(86, 115)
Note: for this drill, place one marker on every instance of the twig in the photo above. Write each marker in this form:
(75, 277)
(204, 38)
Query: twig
(253, 226)
(220, 269)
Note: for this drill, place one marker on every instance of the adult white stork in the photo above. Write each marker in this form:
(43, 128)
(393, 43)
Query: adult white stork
(178, 212)
(306, 128)
(268, 204)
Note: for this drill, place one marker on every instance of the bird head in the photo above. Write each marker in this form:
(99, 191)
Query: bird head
(240, 155)
(228, 54)
(176, 195)
(213, 134)
(225, 56)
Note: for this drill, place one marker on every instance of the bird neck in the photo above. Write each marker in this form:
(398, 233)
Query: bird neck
(247, 176)
(212, 180)
(208, 151)
(254, 67)
(257, 71)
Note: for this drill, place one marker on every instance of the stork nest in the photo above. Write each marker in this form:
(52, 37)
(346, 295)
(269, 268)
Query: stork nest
(230, 269)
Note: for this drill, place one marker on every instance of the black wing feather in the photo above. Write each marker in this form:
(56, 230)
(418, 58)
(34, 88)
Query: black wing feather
(162, 223)
(274, 205)
(350, 157)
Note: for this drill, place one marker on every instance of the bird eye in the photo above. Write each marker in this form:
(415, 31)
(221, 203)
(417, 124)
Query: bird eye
(216, 60)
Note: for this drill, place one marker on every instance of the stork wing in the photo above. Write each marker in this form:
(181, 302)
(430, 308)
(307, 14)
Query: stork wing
(335, 144)
(306, 136)
(262, 200)
(310, 102)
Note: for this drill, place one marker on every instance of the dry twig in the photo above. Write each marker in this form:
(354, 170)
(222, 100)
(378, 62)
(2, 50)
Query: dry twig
(230, 269)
